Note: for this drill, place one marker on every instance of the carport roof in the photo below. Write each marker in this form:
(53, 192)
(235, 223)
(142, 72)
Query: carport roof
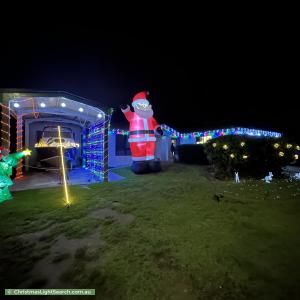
(26, 102)
(9, 94)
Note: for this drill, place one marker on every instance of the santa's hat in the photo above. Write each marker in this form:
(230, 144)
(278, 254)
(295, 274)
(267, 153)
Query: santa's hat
(140, 98)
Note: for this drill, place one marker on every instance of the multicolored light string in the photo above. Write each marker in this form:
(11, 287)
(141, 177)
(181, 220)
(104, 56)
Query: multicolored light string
(210, 133)
(118, 131)
(221, 132)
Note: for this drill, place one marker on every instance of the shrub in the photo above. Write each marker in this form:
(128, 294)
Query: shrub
(249, 156)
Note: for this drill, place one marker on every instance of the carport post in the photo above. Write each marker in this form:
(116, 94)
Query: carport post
(5, 126)
(19, 139)
(105, 143)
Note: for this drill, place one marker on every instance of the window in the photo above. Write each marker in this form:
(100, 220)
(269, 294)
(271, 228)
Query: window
(122, 145)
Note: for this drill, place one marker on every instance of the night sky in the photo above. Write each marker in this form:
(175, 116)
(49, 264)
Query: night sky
(201, 75)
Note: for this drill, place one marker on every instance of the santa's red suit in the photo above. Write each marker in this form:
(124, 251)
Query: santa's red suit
(141, 132)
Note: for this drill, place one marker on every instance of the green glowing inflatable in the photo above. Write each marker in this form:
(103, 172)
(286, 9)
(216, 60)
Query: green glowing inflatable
(7, 162)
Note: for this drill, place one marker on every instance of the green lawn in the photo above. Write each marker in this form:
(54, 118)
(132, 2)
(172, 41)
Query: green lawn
(158, 236)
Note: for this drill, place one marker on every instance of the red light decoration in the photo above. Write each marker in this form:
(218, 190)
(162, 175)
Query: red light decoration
(19, 173)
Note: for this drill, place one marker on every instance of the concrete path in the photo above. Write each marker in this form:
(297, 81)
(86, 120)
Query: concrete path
(38, 180)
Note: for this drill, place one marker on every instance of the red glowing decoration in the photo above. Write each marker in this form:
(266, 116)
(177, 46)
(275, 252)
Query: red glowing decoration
(142, 131)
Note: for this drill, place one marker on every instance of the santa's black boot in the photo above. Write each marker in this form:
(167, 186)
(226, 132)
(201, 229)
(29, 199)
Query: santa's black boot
(140, 167)
(154, 165)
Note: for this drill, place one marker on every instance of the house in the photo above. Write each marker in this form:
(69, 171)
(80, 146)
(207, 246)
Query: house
(119, 148)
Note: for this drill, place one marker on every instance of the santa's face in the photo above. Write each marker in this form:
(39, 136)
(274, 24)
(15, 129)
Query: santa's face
(143, 110)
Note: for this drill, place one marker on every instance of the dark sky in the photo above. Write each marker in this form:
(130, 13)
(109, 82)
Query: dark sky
(200, 74)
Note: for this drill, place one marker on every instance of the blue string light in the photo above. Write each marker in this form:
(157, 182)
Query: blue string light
(84, 147)
(210, 133)
(94, 149)
(221, 132)
(118, 131)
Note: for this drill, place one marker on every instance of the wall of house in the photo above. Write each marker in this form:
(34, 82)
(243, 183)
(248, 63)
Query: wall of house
(115, 161)
(163, 148)
(189, 140)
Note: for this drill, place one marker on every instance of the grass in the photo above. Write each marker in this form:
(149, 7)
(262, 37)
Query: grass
(182, 244)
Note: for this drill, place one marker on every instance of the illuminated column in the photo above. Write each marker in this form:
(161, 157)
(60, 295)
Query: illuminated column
(19, 138)
(105, 148)
(94, 150)
(106, 130)
(5, 127)
(84, 137)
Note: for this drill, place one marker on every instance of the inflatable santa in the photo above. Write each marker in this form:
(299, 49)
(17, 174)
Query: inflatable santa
(142, 130)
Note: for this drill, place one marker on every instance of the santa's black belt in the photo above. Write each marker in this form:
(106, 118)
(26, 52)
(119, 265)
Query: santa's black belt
(141, 132)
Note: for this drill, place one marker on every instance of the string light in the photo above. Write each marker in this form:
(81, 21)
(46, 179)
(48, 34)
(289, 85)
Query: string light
(245, 156)
(20, 145)
(66, 144)
(5, 115)
(276, 145)
(211, 134)
(118, 131)
(214, 145)
(232, 155)
(170, 131)
(242, 144)
(225, 147)
(281, 153)
(94, 149)
(289, 146)
(296, 156)
(5, 126)
(84, 147)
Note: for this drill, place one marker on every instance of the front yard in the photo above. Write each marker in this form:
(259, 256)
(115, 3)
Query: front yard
(158, 236)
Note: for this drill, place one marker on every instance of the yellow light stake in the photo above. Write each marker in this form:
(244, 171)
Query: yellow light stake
(63, 167)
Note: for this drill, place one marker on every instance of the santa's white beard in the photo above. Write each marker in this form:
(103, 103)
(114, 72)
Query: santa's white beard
(145, 114)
